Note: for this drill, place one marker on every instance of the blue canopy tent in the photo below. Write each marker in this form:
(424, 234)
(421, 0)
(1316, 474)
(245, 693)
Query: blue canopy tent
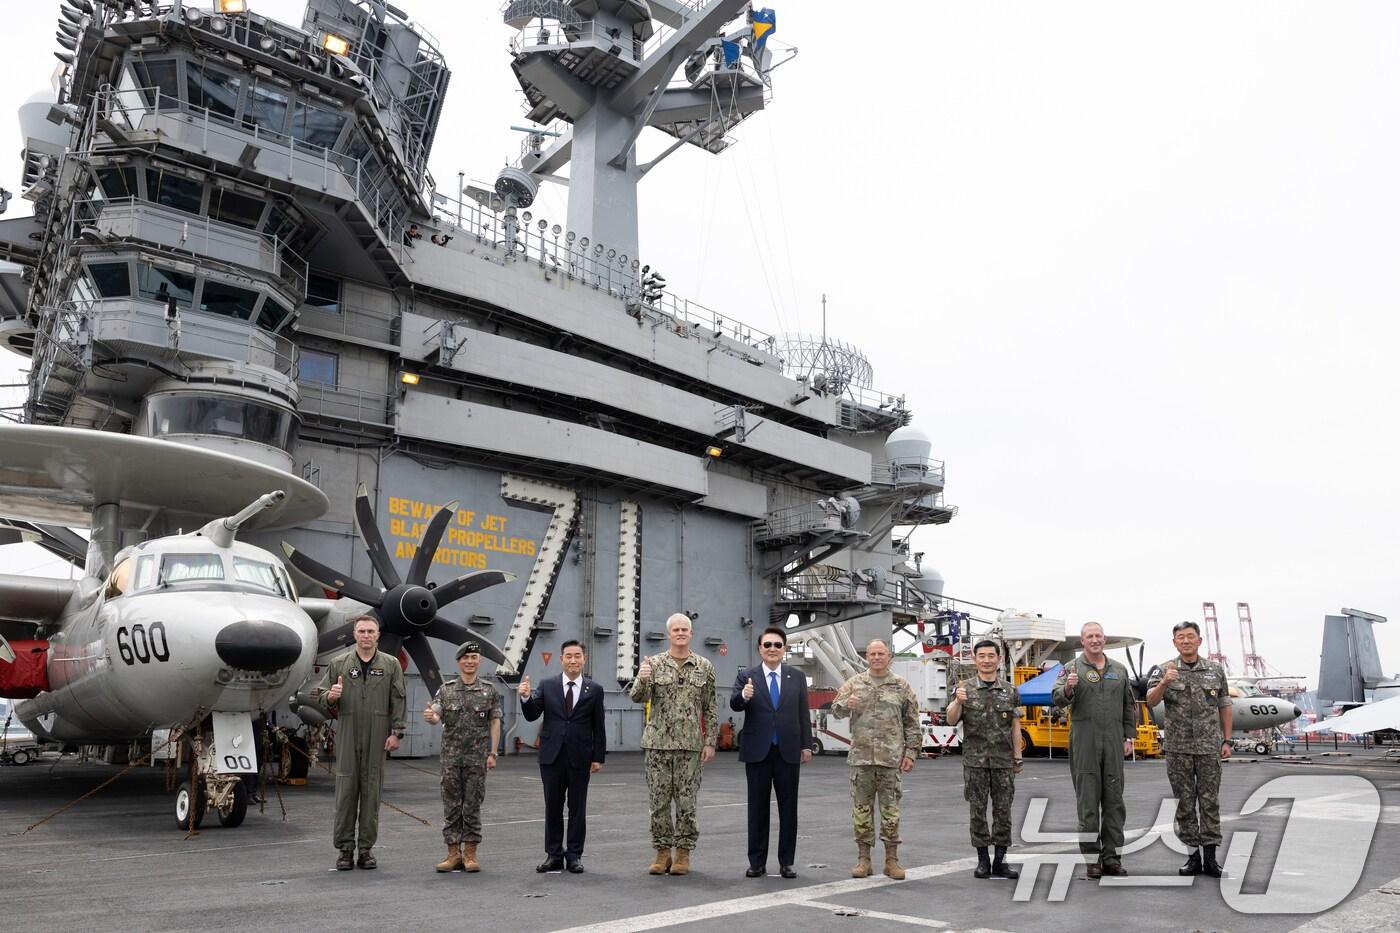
(1036, 691)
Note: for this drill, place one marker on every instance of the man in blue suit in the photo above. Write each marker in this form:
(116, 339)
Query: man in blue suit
(776, 742)
(573, 744)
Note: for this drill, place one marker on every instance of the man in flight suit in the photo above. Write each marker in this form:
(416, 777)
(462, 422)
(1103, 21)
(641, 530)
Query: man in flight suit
(470, 712)
(364, 690)
(1197, 721)
(1103, 724)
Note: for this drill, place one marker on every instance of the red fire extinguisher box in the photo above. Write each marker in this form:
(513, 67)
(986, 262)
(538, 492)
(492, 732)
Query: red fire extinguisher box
(28, 676)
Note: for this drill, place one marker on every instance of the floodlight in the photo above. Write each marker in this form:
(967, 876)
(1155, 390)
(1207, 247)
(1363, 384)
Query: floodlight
(229, 7)
(336, 45)
(409, 379)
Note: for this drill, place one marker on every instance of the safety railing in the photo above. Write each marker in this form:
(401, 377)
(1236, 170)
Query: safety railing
(812, 518)
(345, 406)
(192, 333)
(527, 239)
(197, 233)
(149, 110)
(350, 321)
(559, 37)
(908, 472)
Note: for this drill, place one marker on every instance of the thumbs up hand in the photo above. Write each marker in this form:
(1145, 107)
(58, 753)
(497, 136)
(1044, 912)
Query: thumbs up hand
(524, 688)
(748, 690)
(1072, 680)
(1171, 674)
(337, 688)
(644, 672)
(962, 693)
(428, 715)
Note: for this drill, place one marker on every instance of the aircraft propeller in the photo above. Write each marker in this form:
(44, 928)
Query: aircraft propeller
(407, 608)
(1139, 672)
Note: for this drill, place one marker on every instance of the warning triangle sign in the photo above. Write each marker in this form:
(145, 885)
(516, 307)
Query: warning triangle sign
(546, 655)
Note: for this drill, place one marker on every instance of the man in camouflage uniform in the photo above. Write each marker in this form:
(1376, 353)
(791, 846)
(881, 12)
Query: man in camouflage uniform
(680, 686)
(989, 709)
(470, 711)
(885, 741)
(1198, 722)
(364, 691)
(1103, 724)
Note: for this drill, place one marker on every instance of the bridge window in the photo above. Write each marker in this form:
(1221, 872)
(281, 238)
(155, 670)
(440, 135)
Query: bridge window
(228, 300)
(317, 368)
(178, 568)
(234, 208)
(212, 88)
(160, 284)
(118, 182)
(317, 126)
(273, 315)
(323, 293)
(184, 194)
(112, 279)
(180, 414)
(159, 74)
(267, 109)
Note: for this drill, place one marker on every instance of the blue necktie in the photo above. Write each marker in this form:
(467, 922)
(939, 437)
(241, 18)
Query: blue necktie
(773, 696)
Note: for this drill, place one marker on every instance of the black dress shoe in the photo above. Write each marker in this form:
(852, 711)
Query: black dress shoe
(755, 871)
(787, 872)
(1115, 869)
(553, 863)
(575, 867)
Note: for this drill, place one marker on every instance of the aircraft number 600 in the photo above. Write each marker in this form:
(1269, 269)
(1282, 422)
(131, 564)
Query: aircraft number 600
(137, 646)
(1260, 709)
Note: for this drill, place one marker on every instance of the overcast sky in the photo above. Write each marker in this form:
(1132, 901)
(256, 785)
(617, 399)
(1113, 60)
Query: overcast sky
(1134, 267)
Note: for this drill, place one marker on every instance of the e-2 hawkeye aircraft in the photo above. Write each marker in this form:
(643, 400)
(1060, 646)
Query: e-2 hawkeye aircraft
(198, 631)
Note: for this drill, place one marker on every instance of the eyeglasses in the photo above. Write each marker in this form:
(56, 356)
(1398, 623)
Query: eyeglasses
(772, 644)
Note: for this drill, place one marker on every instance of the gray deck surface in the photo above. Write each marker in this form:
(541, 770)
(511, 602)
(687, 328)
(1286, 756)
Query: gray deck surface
(116, 862)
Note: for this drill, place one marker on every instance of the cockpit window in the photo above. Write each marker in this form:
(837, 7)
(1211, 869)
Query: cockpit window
(120, 580)
(145, 573)
(259, 574)
(177, 568)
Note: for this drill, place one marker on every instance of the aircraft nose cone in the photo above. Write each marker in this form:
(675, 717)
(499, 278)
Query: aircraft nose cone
(1297, 711)
(253, 645)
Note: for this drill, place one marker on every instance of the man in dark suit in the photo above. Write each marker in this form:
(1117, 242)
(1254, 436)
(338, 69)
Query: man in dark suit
(573, 744)
(776, 742)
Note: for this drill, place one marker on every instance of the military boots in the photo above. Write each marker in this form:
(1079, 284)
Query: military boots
(1209, 865)
(469, 862)
(999, 867)
(453, 860)
(862, 866)
(367, 860)
(681, 865)
(346, 860)
(984, 864)
(661, 864)
(892, 868)
(1193, 864)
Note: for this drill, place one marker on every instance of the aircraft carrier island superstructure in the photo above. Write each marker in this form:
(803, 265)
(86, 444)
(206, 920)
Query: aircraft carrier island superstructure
(236, 243)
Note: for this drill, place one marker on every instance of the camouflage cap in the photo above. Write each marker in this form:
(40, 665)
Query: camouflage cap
(467, 647)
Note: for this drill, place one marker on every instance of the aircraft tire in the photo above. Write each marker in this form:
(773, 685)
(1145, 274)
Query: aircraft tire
(20, 757)
(184, 799)
(1260, 748)
(239, 810)
(817, 747)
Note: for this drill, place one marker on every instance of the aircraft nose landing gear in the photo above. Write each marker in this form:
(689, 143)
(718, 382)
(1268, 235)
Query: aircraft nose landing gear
(207, 787)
